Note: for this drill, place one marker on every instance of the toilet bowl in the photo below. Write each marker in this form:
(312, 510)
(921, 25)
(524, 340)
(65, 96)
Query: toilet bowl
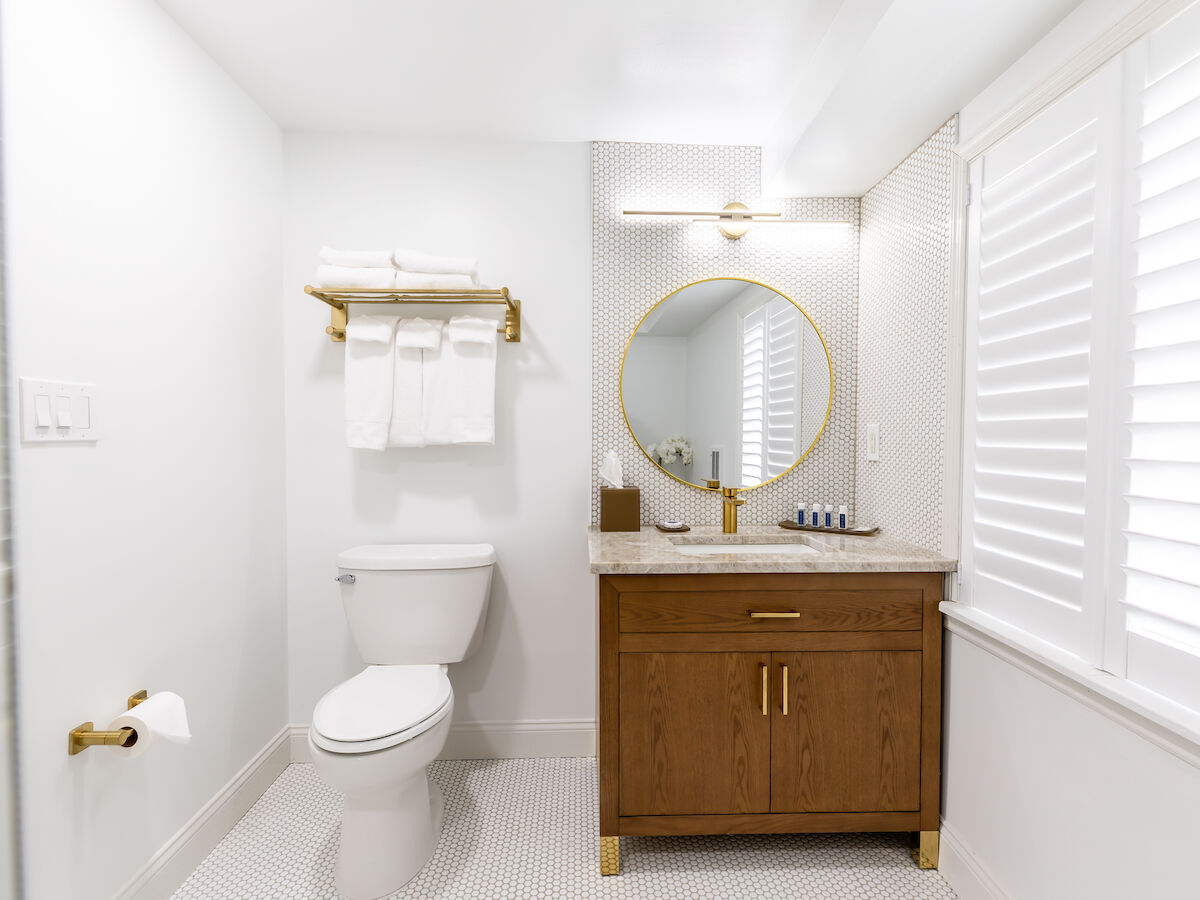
(411, 610)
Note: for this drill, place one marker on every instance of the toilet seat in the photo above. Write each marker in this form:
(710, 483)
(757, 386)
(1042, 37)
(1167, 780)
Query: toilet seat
(380, 707)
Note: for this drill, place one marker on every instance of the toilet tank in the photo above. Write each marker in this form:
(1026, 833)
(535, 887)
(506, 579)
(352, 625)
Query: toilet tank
(416, 604)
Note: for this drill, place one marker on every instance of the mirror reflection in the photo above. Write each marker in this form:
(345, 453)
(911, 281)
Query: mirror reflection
(726, 379)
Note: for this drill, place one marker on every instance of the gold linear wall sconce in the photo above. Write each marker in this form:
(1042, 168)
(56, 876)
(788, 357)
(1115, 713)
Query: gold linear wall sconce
(735, 219)
(85, 735)
(339, 298)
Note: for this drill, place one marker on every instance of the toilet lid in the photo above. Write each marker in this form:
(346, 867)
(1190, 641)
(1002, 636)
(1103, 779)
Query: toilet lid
(381, 701)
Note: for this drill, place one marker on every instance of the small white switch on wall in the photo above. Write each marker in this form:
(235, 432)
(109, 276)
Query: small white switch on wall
(57, 412)
(873, 443)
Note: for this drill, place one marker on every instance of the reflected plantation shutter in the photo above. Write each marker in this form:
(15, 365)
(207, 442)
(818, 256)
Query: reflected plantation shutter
(1036, 277)
(1158, 547)
(770, 401)
(754, 400)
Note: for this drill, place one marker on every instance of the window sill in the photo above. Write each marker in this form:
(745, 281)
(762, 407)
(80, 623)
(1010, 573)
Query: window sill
(1158, 720)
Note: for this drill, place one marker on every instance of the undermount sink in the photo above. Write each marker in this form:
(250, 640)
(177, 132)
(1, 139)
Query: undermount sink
(741, 546)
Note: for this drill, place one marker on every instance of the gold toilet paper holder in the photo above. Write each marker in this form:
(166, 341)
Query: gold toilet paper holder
(83, 736)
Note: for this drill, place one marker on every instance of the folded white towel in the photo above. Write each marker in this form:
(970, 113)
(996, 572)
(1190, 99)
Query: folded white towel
(421, 281)
(471, 367)
(357, 259)
(351, 277)
(416, 261)
(370, 356)
(436, 392)
(413, 338)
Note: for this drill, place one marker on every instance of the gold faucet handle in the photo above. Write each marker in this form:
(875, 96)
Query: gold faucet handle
(713, 484)
(730, 495)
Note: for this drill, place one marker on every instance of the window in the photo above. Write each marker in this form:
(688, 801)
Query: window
(1081, 519)
(771, 399)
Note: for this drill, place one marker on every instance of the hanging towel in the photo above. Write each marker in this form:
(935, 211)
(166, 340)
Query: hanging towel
(416, 261)
(369, 370)
(435, 391)
(414, 337)
(472, 376)
(421, 281)
(357, 259)
(350, 277)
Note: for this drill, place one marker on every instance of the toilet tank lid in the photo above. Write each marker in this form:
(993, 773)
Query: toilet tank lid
(417, 556)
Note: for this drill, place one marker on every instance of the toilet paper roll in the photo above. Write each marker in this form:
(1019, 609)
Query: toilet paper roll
(162, 716)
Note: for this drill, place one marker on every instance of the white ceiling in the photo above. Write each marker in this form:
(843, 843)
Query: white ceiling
(836, 91)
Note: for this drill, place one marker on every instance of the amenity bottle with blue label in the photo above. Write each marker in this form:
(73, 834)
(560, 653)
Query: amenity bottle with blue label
(801, 514)
(842, 517)
(828, 515)
(815, 519)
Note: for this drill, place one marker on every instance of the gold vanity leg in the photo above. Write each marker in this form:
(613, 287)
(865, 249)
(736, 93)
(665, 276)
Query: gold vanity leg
(610, 856)
(926, 855)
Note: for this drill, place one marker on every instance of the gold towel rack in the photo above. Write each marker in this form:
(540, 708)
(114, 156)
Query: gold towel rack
(338, 298)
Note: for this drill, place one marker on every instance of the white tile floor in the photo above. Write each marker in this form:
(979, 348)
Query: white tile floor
(526, 828)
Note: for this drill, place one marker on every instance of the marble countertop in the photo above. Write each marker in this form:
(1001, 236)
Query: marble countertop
(652, 552)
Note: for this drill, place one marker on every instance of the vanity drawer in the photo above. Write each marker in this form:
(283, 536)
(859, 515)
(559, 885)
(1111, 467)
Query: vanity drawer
(896, 609)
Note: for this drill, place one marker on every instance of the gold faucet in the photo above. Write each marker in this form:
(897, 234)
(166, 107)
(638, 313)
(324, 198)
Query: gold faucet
(729, 514)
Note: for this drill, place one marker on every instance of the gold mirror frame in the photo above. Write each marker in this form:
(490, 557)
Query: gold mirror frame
(621, 381)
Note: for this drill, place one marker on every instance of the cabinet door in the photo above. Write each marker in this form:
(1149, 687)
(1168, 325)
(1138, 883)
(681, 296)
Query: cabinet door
(694, 737)
(851, 738)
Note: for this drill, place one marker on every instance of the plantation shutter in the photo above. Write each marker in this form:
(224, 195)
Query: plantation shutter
(754, 396)
(1035, 403)
(1158, 546)
(782, 378)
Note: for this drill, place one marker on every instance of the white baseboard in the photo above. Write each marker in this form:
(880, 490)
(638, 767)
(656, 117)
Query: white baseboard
(963, 871)
(176, 859)
(516, 740)
(497, 740)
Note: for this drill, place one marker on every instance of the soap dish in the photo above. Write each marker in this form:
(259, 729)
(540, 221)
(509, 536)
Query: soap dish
(861, 531)
(661, 527)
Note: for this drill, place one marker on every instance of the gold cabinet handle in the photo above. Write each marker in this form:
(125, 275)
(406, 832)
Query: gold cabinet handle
(790, 614)
(785, 687)
(766, 690)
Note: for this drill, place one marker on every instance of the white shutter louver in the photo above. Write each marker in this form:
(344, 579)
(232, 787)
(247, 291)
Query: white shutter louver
(1029, 370)
(1159, 544)
(771, 402)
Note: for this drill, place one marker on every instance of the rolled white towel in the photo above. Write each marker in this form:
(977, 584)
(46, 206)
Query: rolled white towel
(423, 281)
(351, 277)
(357, 259)
(416, 261)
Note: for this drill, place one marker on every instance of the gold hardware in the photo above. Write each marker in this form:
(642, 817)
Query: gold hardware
(712, 484)
(739, 221)
(785, 681)
(610, 855)
(926, 854)
(735, 218)
(790, 614)
(628, 343)
(729, 509)
(337, 298)
(766, 689)
(85, 735)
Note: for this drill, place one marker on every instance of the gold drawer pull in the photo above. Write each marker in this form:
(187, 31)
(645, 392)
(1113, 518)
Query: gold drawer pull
(785, 681)
(766, 690)
(791, 614)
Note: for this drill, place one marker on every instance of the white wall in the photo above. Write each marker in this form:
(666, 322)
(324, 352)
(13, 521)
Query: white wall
(654, 387)
(523, 210)
(1053, 799)
(142, 200)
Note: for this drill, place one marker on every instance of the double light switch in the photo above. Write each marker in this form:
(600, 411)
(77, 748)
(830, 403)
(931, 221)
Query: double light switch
(57, 412)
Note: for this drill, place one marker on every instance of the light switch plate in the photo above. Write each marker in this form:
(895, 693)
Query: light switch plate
(58, 397)
(873, 443)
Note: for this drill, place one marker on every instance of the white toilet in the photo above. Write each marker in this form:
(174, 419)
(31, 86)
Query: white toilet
(412, 608)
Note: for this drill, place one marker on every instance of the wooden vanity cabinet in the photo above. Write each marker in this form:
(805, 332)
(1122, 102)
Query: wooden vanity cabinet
(769, 703)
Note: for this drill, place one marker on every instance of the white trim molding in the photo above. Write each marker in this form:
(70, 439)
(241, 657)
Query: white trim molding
(1155, 718)
(527, 738)
(1134, 25)
(178, 857)
(963, 871)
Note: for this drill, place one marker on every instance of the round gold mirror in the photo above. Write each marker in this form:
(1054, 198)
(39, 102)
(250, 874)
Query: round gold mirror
(726, 379)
